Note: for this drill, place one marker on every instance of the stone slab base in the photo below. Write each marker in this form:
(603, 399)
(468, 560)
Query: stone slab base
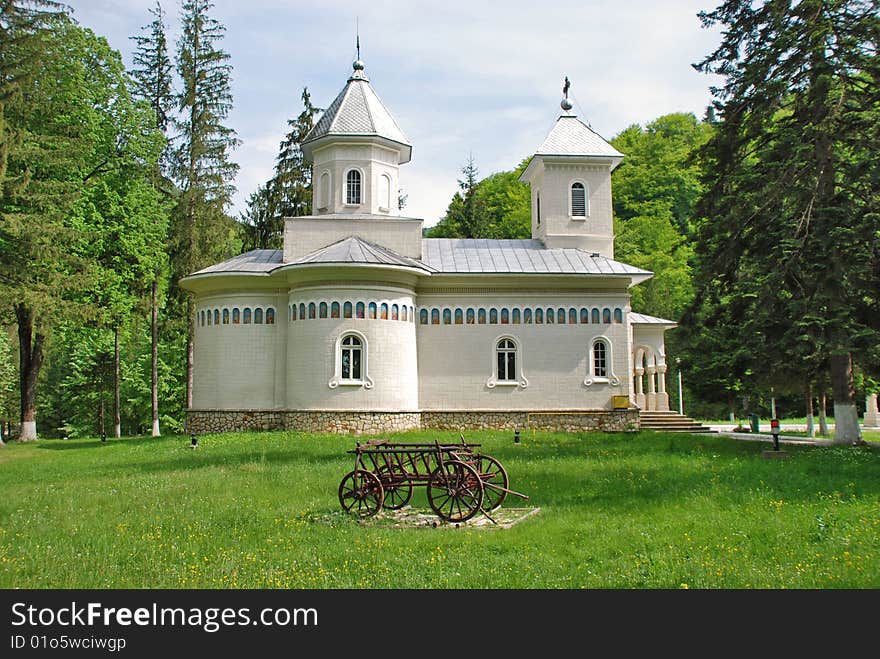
(372, 423)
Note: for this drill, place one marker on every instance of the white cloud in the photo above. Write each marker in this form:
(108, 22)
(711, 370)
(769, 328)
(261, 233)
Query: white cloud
(461, 76)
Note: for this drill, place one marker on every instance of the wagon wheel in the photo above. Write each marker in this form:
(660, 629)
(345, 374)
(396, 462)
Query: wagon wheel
(397, 487)
(455, 491)
(494, 478)
(360, 492)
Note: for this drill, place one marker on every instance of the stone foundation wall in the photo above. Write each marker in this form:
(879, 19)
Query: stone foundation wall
(597, 420)
(367, 423)
(374, 423)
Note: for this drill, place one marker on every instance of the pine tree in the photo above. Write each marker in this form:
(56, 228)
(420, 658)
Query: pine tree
(153, 83)
(201, 161)
(788, 230)
(290, 190)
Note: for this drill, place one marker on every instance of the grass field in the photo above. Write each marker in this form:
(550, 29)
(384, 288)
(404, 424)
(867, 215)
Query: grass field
(644, 510)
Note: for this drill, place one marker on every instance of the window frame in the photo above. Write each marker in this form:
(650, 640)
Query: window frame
(338, 380)
(345, 185)
(519, 380)
(586, 189)
(609, 377)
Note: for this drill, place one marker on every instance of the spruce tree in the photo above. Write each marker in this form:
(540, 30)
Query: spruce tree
(201, 161)
(290, 190)
(153, 83)
(788, 229)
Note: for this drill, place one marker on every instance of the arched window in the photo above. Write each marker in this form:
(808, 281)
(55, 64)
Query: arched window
(395, 312)
(346, 310)
(578, 199)
(585, 315)
(236, 316)
(459, 317)
(372, 310)
(351, 358)
(226, 316)
(539, 316)
(600, 359)
(515, 317)
(383, 311)
(258, 316)
(550, 318)
(606, 315)
(481, 317)
(527, 316)
(505, 353)
(302, 312)
(469, 317)
(493, 316)
(572, 316)
(618, 315)
(594, 316)
(359, 310)
(384, 192)
(412, 314)
(353, 187)
(435, 317)
(560, 316)
(423, 317)
(202, 318)
(324, 192)
(210, 317)
(334, 309)
(505, 317)
(216, 316)
(403, 313)
(447, 317)
(293, 316)
(247, 316)
(313, 311)
(270, 316)
(322, 310)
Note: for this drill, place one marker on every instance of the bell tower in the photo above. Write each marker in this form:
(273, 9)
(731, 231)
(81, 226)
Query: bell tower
(356, 149)
(570, 180)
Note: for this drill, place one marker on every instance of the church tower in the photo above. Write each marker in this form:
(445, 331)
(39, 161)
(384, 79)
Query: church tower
(570, 179)
(356, 149)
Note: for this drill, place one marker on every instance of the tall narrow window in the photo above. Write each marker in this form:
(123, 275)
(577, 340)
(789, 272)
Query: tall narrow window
(258, 316)
(270, 315)
(346, 310)
(324, 191)
(469, 316)
(247, 316)
(313, 311)
(515, 317)
(384, 192)
(322, 310)
(459, 317)
(539, 208)
(506, 356)
(372, 310)
(236, 316)
(210, 317)
(395, 312)
(226, 316)
(352, 349)
(353, 187)
(578, 200)
(600, 359)
(423, 316)
(606, 315)
(359, 310)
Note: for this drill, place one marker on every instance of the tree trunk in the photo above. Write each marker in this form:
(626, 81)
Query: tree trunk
(3, 426)
(154, 311)
(117, 427)
(846, 415)
(101, 418)
(823, 420)
(808, 399)
(30, 361)
(730, 407)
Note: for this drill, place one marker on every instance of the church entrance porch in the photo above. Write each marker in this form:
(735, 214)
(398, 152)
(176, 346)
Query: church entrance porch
(649, 380)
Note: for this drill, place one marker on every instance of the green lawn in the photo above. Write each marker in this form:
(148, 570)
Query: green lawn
(645, 510)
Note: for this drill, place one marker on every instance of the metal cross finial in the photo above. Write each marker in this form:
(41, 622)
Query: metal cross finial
(357, 31)
(566, 86)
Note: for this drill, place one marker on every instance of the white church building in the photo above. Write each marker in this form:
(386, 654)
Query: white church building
(359, 324)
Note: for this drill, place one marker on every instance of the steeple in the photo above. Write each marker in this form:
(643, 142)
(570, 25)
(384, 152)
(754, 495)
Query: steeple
(570, 179)
(356, 149)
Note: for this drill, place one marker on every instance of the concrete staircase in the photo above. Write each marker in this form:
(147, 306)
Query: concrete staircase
(671, 421)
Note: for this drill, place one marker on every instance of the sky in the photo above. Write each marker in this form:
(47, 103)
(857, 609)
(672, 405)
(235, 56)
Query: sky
(479, 77)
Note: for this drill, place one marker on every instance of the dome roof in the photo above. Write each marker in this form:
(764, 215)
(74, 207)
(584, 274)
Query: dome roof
(358, 112)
